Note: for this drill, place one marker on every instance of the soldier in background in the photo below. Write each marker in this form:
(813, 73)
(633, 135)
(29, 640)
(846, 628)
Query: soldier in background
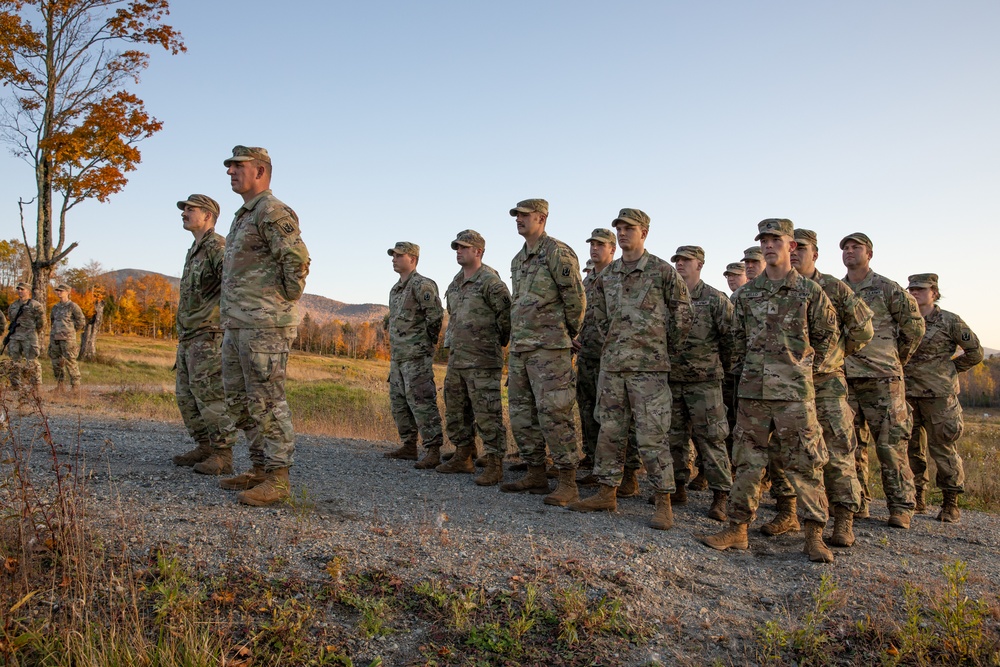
(201, 398)
(547, 308)
(478, 330)
(875, 379)
(26, 320)
(932, 392)
(753, 260)
(414, 323)
(263, 274)
(67, 320)
(735, 275)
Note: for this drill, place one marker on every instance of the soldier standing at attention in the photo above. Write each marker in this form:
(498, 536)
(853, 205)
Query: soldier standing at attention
(932, 392)
(648, 313)
(547, 309)
(415, 318)
(478, 330)
(26, 319)
(200, 396)
(66, 320)
(696, 373)
(783, 329)
(735, 275)
(263, 274)
(875, 379)
(854, 321)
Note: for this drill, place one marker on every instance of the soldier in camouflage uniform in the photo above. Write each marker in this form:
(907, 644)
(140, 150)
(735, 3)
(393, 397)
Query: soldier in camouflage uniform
(696, 373)
(26, 319)
(264, 273)
(66, 320)
(784, 328)
(478, 330)
(932, 392)
(875, 379)
(753, 261)
(854, 321)
(736, 276)
(201, 398)
(414, 322)
(547, 308)
(647, 311)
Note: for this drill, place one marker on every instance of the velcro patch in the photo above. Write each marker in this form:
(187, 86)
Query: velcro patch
(966, 336)
(565, 272)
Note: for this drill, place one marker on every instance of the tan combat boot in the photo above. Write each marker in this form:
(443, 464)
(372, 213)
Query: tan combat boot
(196, 455)
(785, 520)
(534, 482)
(678, 497)
(432, 458)
(843, 527)
(718, 509)
(219, 463)
(482, 461)
(663, 517)
(921, 500)
(604, 499)
(734, 535)
(245, 480)
(699, 483)
(862, 512)
(408, 452)
(273, 489)
(566, 491)
(949, 508)
(629, 488)
(492, 474)
(460, 462)
(814, 547)
(588, 480)
(899, 519)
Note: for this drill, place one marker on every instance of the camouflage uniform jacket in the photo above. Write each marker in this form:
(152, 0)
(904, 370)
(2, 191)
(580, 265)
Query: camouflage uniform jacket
(933, 369)
(548, 301)
(647, 310)
(478, 319)
(415, 318)
(201, 287)
(30, 323)
(265, 266)
(67, 319)
(591, 335)
(708, 350)
(898, 329)
(782, 330)
(854, 318)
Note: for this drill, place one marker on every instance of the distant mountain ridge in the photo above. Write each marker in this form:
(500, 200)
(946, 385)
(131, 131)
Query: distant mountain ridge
(320, 308)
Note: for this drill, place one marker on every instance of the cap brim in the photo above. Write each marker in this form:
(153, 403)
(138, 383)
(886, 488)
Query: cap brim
(242, 158)
(515, 211)
(456, 244)
(679, 255)
(632, 223)
(182, 204)
(392, 252)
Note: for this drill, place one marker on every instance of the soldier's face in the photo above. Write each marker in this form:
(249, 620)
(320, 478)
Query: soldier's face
(601, 252)
(804, 259)
(195, 218)
(23, 293)
(735, 280)
(63, 296)
(687, 268)
(530, 224)
(923, 295)
(754, 267)
(630, 237)
(242, 176)
(777, 250)
(465, 255)
(856, 255)
(403, 263)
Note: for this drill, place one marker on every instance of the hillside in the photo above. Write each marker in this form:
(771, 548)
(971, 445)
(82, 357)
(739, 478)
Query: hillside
(320, 308)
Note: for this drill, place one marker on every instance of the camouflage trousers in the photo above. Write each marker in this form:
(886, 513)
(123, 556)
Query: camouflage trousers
(24, 353)
(587, 370)
(63, 354)
(645, 399)
(698, 416)
(413, 400)
(880, 405)
(799, 451)
(253, 375)
(472, 403)
(730, 385)
(840, 475)
(541, 389)
(941, 419)
(200, 395)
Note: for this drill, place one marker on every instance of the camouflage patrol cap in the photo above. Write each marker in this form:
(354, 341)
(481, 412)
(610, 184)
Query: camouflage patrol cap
(470, 238)
(774, 227)
(589, 266)
(633, 217)
(602, 235)
(244, 153)
(689, 251)
(405, 248)
(200, 201)
(22, 286)
(753, 253)
(63, 287)
(735, 268)
(857, 237)
(530, 206)
(925, 280)
(806, 236)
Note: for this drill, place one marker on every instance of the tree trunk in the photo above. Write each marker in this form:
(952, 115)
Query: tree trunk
(88, 346)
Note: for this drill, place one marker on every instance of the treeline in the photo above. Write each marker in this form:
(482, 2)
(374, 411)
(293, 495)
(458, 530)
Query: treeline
(980, 385)
(368, 340)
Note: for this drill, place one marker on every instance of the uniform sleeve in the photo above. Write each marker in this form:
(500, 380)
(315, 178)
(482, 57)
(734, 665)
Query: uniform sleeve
(565, 270)
(498, 298)
(679, 307)
(599, 309)
(738, 334)
(724, 326)
(426, 294)
(910, 325)
(281, 229)
(39, 317)
(969, 342)
(823, 332)
(856, 326)
(79, 319)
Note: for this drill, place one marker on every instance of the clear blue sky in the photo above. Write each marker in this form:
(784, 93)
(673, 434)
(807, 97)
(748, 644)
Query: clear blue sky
(393, 121)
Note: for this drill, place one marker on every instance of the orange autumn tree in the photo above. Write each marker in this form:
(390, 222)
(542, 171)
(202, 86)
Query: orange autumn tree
(66, 66)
